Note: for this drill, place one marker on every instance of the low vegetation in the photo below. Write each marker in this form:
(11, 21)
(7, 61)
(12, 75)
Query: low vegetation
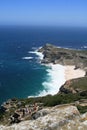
(82, 109)
(48, 101)
(80, 83)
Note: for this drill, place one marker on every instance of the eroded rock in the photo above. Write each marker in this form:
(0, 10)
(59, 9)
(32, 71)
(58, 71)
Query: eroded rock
(56, 118)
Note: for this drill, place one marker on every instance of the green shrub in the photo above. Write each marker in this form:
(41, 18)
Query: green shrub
(82, 109)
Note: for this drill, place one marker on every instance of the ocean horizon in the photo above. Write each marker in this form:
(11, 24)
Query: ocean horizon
(21, 74)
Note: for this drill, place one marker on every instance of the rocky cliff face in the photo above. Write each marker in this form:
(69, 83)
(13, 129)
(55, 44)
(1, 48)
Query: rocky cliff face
(75, 86)
(53, 54)
(65, 117)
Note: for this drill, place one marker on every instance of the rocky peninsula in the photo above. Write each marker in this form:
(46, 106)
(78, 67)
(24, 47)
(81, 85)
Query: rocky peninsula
(75, 62)
(64, 56)
(66, 110)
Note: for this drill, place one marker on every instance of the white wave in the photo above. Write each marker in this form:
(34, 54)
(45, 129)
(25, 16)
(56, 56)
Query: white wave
(27, 58)
(33, 96)
(39, 54)
(55, 79)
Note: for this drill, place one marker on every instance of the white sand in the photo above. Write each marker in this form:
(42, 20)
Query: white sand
(70, 73)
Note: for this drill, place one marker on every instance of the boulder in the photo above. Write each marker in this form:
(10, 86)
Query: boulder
(54, 118)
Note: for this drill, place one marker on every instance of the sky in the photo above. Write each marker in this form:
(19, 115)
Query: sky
(43, 12)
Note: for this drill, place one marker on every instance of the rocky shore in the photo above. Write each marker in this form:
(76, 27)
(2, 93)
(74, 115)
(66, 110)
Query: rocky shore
(75, 62)
(55, 55)
(67, 110)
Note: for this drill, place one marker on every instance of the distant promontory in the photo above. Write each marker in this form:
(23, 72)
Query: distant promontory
(64, 56)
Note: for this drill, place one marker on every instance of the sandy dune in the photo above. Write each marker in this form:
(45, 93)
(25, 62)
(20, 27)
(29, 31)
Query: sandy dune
(71, 73)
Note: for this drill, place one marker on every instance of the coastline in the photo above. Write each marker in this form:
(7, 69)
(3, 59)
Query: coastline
(57, 75)
(55, 78)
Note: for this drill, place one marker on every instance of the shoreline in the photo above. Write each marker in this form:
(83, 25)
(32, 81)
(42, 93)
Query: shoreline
(55, 78)
(58, 75)
(53, 91)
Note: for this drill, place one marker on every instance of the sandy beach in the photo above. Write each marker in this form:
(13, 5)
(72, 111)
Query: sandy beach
(71, 73)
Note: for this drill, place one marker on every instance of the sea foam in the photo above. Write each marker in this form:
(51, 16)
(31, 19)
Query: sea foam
(27, 58)
(39, 54)
(55, 77)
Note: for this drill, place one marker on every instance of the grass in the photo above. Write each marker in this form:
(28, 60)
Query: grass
(80, 83)
(82, 109)
(57, 99)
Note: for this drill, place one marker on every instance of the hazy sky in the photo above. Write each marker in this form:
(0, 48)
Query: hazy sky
(44, 12)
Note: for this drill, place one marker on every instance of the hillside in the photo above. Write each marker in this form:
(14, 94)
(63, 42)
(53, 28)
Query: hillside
(53, 54)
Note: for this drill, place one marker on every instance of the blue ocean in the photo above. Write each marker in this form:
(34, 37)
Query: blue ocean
(21, 74)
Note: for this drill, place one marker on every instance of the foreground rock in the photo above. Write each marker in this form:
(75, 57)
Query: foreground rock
(65, 117)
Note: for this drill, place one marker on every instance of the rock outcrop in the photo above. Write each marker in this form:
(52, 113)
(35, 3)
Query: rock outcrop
(55, 118)
(78, 85)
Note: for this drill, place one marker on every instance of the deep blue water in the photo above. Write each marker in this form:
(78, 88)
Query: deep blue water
(23, 78)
